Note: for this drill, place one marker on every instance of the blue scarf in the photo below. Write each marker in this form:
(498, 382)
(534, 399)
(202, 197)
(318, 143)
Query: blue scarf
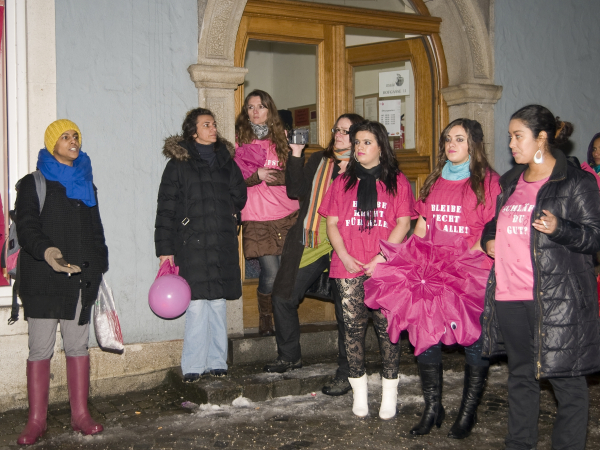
(455, 173)
(77, 179)
(597, 168)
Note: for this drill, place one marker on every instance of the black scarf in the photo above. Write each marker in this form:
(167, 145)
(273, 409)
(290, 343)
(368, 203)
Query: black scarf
(366, 198)
(206, 152)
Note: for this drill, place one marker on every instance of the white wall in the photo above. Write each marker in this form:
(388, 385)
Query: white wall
(121, 76)
(548, 52)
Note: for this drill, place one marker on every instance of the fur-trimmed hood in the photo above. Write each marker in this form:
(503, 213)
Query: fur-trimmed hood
(174, 150)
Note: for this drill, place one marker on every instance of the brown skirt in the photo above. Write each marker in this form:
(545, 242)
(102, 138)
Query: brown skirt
(266, 238)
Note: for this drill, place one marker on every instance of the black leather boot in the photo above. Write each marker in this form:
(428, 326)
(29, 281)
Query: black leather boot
(475, 377)
(431, 382)
(265, 314)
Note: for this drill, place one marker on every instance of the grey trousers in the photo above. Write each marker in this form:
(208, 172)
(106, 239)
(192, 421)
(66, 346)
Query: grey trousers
(42, 336)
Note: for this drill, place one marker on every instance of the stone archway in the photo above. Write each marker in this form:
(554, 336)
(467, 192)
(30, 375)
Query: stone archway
(215, 75)
(467, 35)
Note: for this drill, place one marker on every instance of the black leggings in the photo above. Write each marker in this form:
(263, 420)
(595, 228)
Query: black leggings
(356, 317)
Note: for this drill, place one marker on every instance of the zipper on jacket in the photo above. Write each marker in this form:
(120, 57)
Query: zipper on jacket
(537, 285)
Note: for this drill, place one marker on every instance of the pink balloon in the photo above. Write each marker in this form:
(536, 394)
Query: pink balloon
(169, 296)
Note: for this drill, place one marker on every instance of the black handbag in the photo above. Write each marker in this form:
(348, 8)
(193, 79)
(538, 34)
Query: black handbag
(321, 288)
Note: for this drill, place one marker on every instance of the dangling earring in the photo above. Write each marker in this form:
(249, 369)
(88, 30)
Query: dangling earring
(355, 157)
(538, 159)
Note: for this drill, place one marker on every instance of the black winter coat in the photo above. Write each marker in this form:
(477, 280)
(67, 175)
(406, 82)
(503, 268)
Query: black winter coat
(206, 249)
(76, 230)
(566, 338)
(298, 181)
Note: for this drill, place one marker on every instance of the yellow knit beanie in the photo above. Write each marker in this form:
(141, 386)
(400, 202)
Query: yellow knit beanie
(55, 130)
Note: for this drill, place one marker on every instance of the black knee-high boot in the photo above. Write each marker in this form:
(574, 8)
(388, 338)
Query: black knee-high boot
(475, 377)
(431, 382)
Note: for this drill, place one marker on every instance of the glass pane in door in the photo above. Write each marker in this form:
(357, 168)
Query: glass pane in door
(386, 93)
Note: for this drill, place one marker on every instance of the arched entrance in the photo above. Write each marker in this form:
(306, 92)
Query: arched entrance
(461, 87)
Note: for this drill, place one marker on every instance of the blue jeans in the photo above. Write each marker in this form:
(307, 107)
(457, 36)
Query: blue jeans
(205, 337)
(269, 265)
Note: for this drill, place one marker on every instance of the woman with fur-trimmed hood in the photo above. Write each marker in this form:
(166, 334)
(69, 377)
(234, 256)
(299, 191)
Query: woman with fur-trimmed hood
(201, 194)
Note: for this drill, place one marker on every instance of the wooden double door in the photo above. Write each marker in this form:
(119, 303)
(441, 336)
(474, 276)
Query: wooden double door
(337, 69)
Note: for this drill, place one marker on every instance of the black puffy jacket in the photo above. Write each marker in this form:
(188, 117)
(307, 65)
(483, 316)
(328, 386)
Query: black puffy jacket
(206, 249)
(76, 230)
(566, 338)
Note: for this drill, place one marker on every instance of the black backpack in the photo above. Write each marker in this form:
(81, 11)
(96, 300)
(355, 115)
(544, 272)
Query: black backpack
(11, 248)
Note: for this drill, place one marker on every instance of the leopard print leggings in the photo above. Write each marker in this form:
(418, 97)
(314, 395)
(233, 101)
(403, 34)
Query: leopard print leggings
(356, 317)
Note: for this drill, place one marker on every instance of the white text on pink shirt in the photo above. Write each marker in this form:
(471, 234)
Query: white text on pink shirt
(521, 219)
(448, 219)
(358, 216)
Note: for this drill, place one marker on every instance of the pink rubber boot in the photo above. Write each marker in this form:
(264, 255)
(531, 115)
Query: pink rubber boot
(38, 385)
(78, 380)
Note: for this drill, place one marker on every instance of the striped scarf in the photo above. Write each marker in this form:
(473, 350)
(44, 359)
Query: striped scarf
(320, 184)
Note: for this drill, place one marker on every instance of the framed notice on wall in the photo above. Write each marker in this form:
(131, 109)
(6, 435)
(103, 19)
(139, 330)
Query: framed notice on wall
(392, 84)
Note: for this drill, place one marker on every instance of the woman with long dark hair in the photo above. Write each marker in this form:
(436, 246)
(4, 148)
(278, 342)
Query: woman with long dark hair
(458, 197)
(201, 193)
(541, 303)
(307, 250)
(371, 201)
(262, 152)
(593, 155)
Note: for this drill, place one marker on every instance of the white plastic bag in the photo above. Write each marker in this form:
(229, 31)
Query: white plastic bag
(106, 321)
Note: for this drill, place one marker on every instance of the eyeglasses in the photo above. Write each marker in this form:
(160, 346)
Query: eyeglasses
(339, 130)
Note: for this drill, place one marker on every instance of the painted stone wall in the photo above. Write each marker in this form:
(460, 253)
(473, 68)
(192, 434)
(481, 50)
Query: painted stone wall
(547, 52)
(121, 76)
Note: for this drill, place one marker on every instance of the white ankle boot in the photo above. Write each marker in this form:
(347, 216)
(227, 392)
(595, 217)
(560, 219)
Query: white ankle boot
(360, 394)
(389, 396)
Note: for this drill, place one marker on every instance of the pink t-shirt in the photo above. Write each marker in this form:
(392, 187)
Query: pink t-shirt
(514, 272)
(452, 206)
(268, 202)
(364, 245)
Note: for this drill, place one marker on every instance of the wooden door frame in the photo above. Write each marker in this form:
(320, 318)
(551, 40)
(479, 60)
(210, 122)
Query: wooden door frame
(416, 163)
(324, 26)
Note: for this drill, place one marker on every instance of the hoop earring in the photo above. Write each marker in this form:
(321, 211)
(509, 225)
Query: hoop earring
(538, 159)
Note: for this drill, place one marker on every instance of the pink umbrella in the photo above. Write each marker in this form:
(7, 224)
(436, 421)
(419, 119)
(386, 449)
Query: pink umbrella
(434, 287)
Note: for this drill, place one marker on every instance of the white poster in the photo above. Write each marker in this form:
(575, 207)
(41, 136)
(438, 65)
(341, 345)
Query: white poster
(359, 106)
(390, 113)
(394, 83)
(371, 108)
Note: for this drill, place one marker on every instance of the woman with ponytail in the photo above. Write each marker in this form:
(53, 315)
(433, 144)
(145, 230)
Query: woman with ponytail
(541, 305)
(458, 197)
(371, 201)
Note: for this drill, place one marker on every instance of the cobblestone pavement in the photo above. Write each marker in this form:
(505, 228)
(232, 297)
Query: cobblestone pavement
(162, 418)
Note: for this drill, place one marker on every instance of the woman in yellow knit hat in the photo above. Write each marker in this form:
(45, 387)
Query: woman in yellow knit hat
(62, 259)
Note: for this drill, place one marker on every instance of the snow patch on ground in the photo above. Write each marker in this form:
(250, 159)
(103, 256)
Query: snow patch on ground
(241, 402)
(411, 399)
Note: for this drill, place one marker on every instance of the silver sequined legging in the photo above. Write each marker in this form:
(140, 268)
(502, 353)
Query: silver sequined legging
(356, 317)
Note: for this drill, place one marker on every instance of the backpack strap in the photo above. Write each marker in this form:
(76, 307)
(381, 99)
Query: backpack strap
(40, 187)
